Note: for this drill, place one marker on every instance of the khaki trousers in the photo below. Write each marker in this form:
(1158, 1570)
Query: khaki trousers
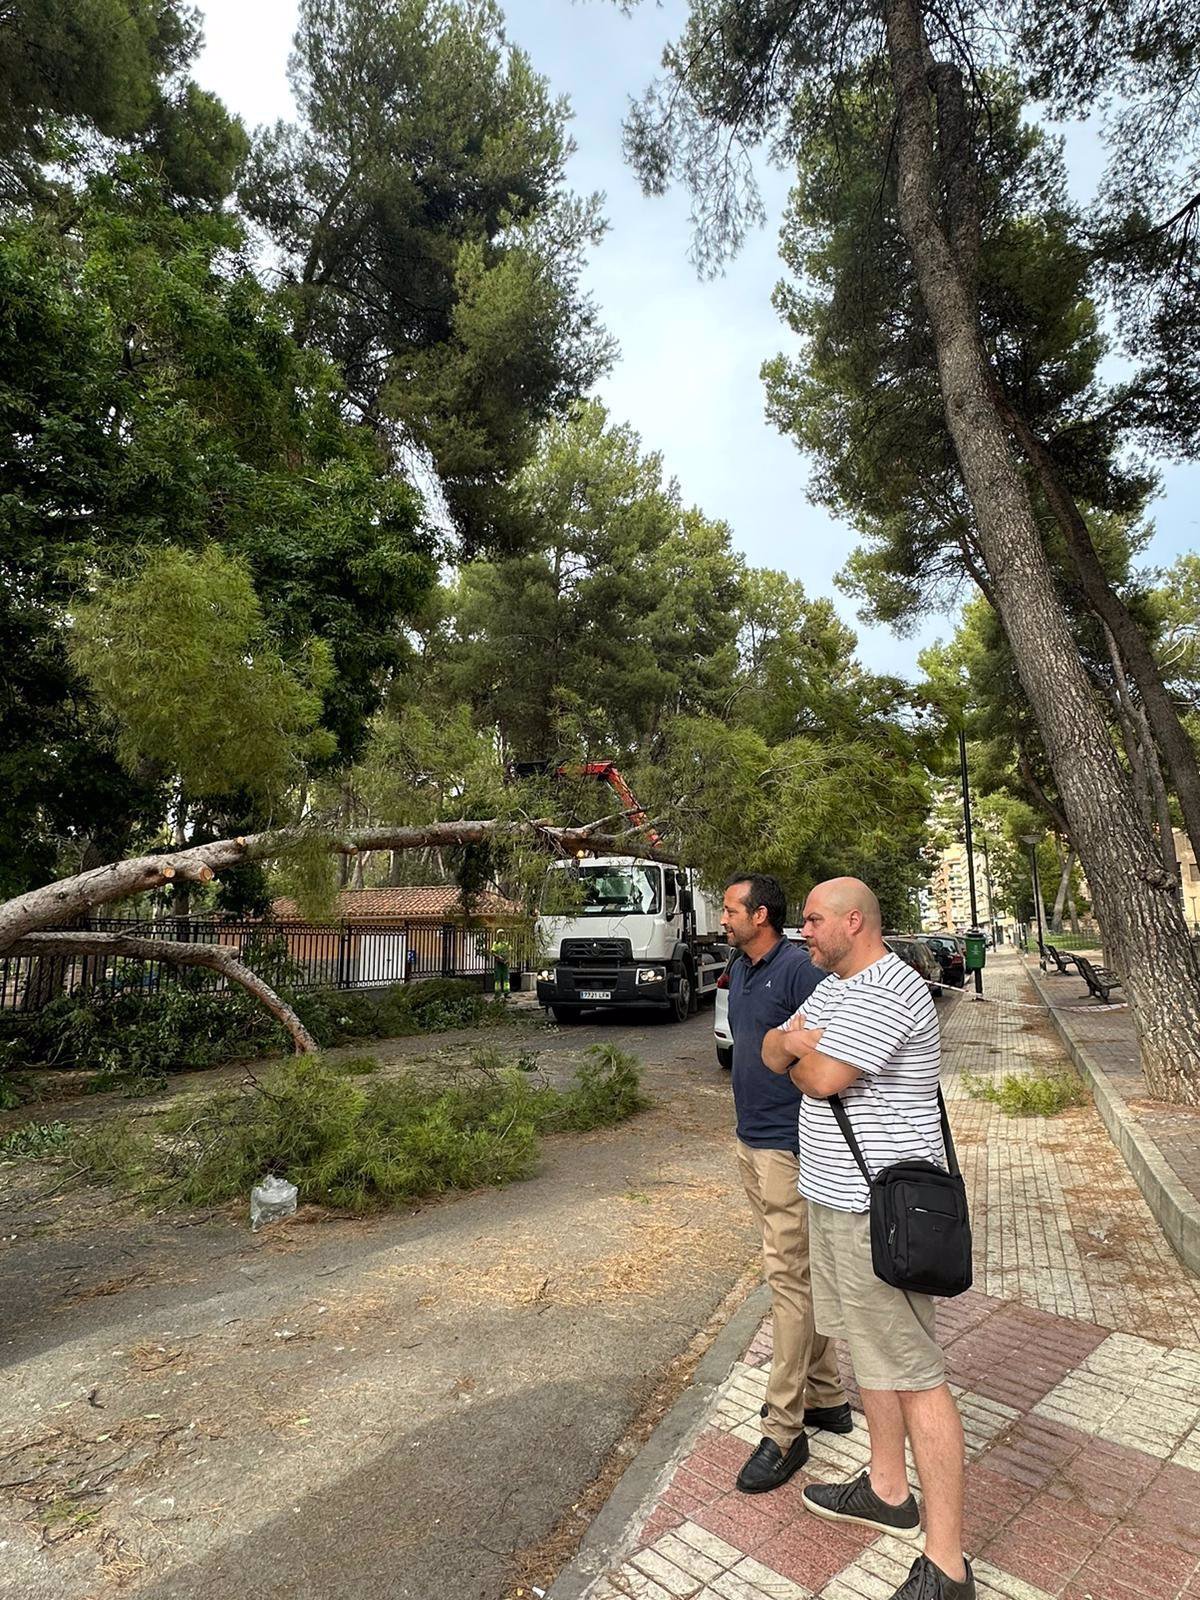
(804, 1369)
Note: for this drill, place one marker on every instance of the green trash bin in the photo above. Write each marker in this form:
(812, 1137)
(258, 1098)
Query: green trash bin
(976, 954)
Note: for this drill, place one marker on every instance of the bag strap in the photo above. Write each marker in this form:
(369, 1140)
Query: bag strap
(843, 1122)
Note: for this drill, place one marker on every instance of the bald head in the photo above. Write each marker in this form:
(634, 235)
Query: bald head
(843, 926)
(851, 894)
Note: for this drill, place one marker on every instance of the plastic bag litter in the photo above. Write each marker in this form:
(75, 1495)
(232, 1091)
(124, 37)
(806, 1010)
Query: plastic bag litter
(271, 1199)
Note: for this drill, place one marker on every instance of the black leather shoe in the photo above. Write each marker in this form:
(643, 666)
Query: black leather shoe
(769, 1466)
(833, 1419)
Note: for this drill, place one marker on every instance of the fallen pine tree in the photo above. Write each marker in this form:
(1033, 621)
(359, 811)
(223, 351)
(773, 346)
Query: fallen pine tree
(32, 924)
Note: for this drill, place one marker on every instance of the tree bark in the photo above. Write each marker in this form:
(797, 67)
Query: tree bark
(1143, 758)
(74, 897)
(1169, 732)
(181, 892)
(1143, 927)
(217, 957)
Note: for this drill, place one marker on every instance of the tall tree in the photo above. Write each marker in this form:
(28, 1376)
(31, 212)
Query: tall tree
(428, 240)
(621, 613)
(738, 75)
(152, 395)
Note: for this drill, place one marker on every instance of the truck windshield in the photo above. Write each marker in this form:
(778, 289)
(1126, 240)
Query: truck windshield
(617, 891)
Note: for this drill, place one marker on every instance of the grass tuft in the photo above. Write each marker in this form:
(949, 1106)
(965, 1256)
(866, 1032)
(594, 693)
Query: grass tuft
(1033, 1094)
(34, 1140)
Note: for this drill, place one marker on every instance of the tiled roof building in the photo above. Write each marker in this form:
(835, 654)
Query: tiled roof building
(432, 903)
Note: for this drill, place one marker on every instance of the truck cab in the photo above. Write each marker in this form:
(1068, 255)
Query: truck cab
(619, 931)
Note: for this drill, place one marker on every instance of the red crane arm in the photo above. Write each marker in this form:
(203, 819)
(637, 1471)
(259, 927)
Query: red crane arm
(606, 772)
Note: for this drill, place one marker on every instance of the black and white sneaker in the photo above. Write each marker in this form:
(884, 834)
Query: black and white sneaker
(856, 1501)
(927, 1582)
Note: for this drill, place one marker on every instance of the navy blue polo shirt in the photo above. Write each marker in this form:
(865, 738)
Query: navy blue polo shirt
(762, 994)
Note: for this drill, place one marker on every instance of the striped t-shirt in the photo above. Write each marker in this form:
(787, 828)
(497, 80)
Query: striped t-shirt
(882, 1021)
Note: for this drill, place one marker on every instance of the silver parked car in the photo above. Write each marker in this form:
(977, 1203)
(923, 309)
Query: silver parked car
(721, 1031)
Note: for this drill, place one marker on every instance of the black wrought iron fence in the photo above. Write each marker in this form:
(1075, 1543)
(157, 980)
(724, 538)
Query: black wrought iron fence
(297, 955)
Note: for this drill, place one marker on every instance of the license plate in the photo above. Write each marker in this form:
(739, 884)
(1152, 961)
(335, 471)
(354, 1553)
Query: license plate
(595, 994)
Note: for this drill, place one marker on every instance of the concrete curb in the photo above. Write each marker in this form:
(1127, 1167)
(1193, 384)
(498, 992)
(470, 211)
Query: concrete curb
(604, 1543)
(1176, 1210)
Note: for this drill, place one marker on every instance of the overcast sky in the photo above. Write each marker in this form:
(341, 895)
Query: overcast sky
(687, 377)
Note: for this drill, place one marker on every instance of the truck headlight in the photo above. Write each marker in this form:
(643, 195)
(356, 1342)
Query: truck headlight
(649, 975)
(546, 975)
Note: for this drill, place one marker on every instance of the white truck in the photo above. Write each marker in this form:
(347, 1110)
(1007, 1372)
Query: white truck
(636, 933)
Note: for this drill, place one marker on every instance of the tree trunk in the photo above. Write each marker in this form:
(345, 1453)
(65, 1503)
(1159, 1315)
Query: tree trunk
(1143, 758)
(181, 890)
(1143, 928)
(1072, 908)
(1169, 732)
(74, 897)
(1066, 865)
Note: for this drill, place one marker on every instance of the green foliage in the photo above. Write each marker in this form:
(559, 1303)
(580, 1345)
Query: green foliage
(619, 612)
(132, 1037)
(128, 1032)
(862, 398)
(1042, 1093)
(35, 1140)
(231, 439)
(813, 807)
(426, 1005)
(428, 242)
(68, 67)
(178, 654)
(357, 1148)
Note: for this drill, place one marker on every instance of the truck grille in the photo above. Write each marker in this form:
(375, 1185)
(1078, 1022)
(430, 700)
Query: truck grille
(591, 950)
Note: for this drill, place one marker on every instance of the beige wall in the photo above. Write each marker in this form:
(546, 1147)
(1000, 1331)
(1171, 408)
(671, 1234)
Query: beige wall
(1189, 874)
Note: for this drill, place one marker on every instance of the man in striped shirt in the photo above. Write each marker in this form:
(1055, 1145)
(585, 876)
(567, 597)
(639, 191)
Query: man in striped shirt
(869, 1034)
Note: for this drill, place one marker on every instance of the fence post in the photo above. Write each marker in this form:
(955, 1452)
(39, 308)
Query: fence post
(343, 939)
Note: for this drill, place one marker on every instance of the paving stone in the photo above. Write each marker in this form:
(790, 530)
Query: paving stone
(665, 1572)
(768, 1581)
(811, 1552)
(1166, 1506)
(725, 1555)
(627, 1583)
(663, 1519)
(739, 1585)
(686, 1558)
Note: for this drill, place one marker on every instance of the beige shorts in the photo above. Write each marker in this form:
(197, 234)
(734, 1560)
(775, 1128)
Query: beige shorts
(890, 1332)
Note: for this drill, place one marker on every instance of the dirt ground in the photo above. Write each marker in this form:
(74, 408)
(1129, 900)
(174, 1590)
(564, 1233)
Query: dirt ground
(410, 1405)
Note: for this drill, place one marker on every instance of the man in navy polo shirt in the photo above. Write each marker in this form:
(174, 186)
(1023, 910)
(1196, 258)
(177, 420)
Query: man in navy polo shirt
(769, 982)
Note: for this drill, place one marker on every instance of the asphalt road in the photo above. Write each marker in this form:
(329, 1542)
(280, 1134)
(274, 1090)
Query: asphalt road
(406, 1406)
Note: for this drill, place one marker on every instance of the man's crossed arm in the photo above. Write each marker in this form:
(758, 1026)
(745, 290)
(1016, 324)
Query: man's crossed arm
(794, 1049)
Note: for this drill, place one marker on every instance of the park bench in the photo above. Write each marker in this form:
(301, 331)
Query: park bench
(1060, 958)
(1100, 980)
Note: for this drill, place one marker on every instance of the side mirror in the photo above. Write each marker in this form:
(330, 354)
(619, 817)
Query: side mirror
(686, 900)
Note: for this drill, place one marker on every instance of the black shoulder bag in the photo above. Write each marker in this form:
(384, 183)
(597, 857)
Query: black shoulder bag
(920, 1230)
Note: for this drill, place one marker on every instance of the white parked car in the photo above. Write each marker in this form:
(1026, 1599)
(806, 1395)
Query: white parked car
(721, 1032)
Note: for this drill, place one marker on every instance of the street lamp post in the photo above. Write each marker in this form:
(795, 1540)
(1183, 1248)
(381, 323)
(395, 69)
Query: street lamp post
(966, 794)
(1031, 839)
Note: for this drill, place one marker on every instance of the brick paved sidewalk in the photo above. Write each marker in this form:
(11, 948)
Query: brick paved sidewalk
(1076, 1361)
